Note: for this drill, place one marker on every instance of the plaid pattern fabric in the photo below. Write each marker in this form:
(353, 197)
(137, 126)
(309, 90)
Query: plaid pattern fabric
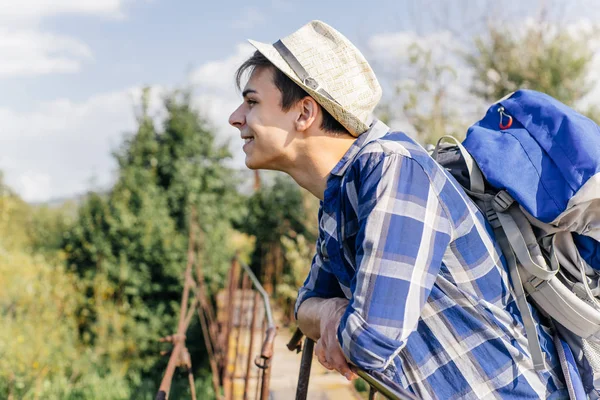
(430, 298)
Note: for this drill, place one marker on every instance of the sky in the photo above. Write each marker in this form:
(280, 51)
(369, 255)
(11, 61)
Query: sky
(71, 71)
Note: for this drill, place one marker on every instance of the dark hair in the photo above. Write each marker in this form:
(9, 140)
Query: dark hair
(291, 93)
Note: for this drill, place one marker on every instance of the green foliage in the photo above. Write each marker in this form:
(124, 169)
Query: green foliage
(41, 354)
(46, 228)
(272, 212)
(361, 386)
(14, 218)
(88, 291)
(423, 98)
(282, 218)
(543, 58)
(129, 246)
(298, 255)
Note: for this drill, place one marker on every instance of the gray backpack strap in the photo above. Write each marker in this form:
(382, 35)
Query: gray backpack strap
(521, 237)
(515, 247)
(537, 356)
(542, 282)
(475, 175)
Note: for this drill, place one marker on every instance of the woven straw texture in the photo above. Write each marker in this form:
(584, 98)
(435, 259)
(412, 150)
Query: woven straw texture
(338, 66)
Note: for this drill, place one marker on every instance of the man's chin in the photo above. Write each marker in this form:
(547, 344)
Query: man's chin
(251, 164)
(258, 164)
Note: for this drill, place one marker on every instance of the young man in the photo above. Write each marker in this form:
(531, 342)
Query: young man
(407, 278)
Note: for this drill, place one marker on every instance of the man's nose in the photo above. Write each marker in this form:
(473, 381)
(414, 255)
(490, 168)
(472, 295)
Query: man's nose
(236, 119)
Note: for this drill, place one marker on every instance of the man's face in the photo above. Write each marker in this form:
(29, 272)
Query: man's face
(265, 127)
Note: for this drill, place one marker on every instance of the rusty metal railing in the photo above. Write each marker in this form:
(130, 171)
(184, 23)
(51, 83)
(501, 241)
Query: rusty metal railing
(263, 359)
(224, 353)
(378, 383)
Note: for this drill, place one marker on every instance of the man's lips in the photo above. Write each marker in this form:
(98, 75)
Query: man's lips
(247, 141)
(247, 138)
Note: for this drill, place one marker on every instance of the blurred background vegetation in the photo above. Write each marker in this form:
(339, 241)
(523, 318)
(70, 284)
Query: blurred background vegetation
(90, 285)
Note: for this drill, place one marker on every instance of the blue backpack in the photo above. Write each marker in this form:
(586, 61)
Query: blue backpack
(532, 165)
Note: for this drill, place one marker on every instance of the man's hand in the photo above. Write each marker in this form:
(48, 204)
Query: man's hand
(319, 319)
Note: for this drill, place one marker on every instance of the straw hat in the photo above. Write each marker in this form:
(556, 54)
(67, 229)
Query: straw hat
(331, 70)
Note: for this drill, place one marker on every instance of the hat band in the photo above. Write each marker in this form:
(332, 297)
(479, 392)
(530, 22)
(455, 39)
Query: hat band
(295, 65)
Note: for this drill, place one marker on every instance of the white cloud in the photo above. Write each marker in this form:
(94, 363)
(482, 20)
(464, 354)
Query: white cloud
(60, 148)
(216, 96)
(34, 10)
(586, 28)
(218, 109)
(218, 75)
(29, 52)
(56, 149)
(35, 186)
(391, 56)
(25, 49)
(63, 148)
(394, 47)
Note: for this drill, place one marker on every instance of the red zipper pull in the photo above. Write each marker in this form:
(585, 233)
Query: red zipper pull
(503, 114)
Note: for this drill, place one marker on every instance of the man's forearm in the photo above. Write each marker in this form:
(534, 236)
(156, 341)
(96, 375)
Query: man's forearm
(315, 309)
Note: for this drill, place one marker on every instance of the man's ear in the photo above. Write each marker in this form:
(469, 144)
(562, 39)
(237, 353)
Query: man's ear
(308, 112)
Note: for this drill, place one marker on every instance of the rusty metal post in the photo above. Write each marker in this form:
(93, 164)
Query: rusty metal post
(233, 278)
(261, 372)
(266, 355)
(165, 384)
(258, 379)
(240, 314)
(268, 269)
(192, 385)
(251, 345)
(295, 342)
(180, 352)
(256, 180)
(278, 260)
(211, 352)
(305, 366)
(372, 393)
(186, 361)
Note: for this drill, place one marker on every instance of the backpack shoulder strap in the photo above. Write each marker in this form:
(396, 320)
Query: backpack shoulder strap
(475, 175)
(514, 247)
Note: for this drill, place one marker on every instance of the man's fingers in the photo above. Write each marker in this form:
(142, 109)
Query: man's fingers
(321, 354)
(336, 359)
(351, 376)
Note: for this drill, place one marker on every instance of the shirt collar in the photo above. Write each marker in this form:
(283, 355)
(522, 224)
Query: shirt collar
(375, 131)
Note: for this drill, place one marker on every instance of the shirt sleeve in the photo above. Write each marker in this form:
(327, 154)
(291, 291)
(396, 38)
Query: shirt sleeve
(320, 282)
(403, 234)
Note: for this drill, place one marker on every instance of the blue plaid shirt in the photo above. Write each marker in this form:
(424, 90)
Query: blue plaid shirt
(431, 304)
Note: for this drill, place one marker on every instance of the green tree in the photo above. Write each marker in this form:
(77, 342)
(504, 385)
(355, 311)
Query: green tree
(423, 98)
(543, 57)
(283, 219)
(129, 245)
(41, 352)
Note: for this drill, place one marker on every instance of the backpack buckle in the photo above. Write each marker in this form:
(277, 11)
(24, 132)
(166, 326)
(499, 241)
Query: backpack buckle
(533, 283)
(502, 201)
(492, 217)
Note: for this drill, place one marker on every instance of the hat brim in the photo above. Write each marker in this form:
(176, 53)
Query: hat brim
(349, 121)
